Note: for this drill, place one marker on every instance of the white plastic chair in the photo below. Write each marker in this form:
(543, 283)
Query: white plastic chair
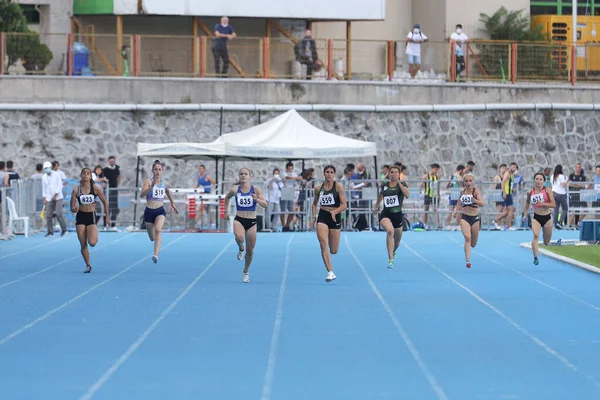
(13, 218)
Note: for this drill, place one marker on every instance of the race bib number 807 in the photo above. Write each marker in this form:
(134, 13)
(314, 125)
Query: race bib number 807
(391, 201)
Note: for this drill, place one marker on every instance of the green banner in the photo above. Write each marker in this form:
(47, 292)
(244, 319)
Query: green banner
(88, 7)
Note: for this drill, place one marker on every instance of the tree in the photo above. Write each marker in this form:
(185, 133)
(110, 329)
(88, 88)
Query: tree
(534, 52)
(21, 43)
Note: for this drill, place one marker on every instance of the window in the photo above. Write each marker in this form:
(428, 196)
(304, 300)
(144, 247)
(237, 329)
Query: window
(564, 7)
(31, 14)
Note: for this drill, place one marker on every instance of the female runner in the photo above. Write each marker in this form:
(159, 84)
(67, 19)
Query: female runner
(469, 220)
(331, 199)
(83, 203)
(391, 219)
(244, 224)
(155, 215)
(542, 200)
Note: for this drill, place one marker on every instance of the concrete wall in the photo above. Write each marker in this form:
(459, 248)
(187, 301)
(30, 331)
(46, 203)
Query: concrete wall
(153, 90)
(55, 23)
(533, 139)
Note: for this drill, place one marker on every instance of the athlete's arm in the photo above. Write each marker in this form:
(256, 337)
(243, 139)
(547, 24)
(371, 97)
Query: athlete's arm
(168, 192)
(100, 194)
(404, 189)
(259, 198)
(551, 203)
(146, 188)
(477, 198)
(378, 202)
(229, 195)
(315, 201)
(527, 204)
(343, 202)
(74, 194)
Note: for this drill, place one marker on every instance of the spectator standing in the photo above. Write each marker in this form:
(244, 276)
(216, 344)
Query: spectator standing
(460, 40)
(274, 185)
(596, 204)
(10, 174)
(287, 206)
(53, 199)
(113, 174)
(2, 175)
(38, 190)
(559, 190)
(413, 49)
(101, 181)
(306, 53)
(223, 33)
(575, 185)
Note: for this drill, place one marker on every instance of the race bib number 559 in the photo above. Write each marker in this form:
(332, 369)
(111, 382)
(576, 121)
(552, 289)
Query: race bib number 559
(326, 200)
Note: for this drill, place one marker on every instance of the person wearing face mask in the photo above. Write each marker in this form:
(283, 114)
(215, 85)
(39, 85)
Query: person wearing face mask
(53, 199)
(460, 40)
(306, 53)
(413, 49)
(223, 33)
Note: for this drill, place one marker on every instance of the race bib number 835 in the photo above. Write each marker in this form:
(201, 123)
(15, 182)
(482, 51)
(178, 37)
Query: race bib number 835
(245, 201)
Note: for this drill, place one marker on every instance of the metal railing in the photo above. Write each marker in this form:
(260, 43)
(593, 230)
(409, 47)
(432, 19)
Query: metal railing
(88, 53)
(127, 209)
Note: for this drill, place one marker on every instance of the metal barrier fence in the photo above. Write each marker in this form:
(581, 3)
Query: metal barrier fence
(88, 53)
(21, 207)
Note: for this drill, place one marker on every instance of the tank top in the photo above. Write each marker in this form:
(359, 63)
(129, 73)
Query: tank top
(508, 186)
(245, 201)
(157, 193)
(329, 198)
(89, 198)
(431, 186)
(455, 180)
(392, 198)
(202, 181)
(466, 199)
(537, 198)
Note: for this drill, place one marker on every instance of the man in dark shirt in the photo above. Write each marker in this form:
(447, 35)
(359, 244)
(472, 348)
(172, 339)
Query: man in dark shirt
(306, 53)
(223, 33)
(574, 198)
(113, 174)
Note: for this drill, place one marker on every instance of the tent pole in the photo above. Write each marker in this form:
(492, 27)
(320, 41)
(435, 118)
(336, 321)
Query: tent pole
(137, 185)
(217, 188)
(376, 170)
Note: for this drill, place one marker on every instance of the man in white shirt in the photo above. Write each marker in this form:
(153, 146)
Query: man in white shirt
(413, 49)
(290, 178)
(460, 40)
(53, 198)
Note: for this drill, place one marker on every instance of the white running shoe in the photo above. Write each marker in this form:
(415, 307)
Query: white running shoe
(246, 277)
(496, 226)
(240, 255)
(155, 258)
(330, 276)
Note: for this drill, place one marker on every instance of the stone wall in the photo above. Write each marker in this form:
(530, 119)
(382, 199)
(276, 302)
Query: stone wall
(533, 139)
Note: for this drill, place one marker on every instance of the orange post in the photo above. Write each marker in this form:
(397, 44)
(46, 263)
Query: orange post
(329, 58)
(390, 60)
(452, 61)
(513, 62)
(70, 61)
(192, 207)
(573, 64)
(136, 55)
(2, 51)
(266, 57)
(202, 56)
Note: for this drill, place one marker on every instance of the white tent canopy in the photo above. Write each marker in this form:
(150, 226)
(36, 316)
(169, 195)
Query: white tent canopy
(185, 151)
(289, 136)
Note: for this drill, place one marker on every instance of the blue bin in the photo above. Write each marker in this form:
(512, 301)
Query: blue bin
(81, 59)
(589, 230)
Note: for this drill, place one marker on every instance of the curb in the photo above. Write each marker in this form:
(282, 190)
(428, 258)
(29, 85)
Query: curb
(564, 259)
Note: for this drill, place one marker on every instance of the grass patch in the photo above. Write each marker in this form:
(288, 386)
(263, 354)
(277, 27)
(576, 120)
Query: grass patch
(586, 254)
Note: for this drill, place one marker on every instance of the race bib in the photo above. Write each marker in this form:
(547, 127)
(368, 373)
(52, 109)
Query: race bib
(326, 200)
(537, 198)
(158, 192)
(466, 199)
(391, 201)
(454, 194)
(245, 201)
(87, 199)
(597, 187)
